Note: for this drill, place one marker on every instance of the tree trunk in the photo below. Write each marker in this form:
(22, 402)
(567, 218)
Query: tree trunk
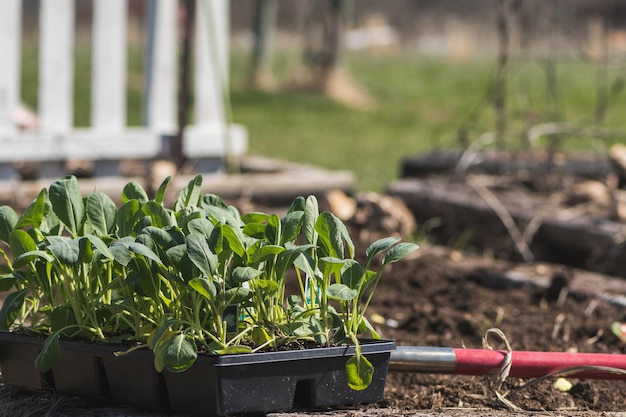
(261, 76)
(324, 53)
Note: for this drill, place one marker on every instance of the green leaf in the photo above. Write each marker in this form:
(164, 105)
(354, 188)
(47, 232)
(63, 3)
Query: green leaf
(268, 286)
(399, 251)
(243, 274)
(20, 242)
(127, 217)
(311, 213)
(288, 257)
(100, 246)
(121, 253)
(177, 253)
(30, 256)
(202, 226)
(290, 226)
(134, 191)
(8, 220)
(330, 238)
(341, 292)
(213, 200)
(8, 281)
(159, 214)
(11, 308)
(234, 350)
(66, 250)
(190, 195)
(160, 194)
(366, 325)
(85, 250)
(234, 237)
(272, 230)
(297, 204)
(101, 212)
(222, 215)
(51, 223)
(619, 330)
(254, 217)
(329, 265)
(237, 295)
(380, 246)
(264, 253)
(204, 287)
(179, 353)
(200, 254)
(352, 274)
(140, 249)
(305, 263)
(33, 215)
(255, 230)
(359, 372)
(163, 238)
(68, 204)
(62, 320)
(50, 353)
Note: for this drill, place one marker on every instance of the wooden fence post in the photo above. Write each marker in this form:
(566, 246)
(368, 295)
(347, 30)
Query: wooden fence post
(10, 18)
(108, 76)
(56, 43)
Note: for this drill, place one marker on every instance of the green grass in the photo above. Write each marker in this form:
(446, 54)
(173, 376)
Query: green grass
(422, 102)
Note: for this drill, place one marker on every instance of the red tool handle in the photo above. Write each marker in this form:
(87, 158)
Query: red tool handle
(524, 364)
(534, 364)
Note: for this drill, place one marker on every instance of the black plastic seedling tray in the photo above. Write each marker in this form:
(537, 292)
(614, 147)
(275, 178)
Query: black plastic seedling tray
(213, 386)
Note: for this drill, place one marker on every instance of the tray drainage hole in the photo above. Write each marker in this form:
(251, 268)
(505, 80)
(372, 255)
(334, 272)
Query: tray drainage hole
(305, 390)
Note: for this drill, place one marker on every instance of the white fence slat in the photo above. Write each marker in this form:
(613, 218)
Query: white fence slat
(160, 91)
(211, 60)
(56, 65)
(108, 111)
(10, 19)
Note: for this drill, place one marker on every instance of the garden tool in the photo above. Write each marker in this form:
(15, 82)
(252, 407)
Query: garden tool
(522, 364)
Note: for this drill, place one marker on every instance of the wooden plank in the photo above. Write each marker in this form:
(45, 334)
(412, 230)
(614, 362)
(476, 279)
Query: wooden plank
(56, 65)
(211, 60)
(81, 144)
(10, 24)
(215, 140)
(108, 111)
(160, 90)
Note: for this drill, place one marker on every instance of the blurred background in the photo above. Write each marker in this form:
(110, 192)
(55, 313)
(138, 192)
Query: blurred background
(361, 84)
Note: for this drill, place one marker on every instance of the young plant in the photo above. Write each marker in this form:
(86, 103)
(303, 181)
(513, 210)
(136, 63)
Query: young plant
(199, 277)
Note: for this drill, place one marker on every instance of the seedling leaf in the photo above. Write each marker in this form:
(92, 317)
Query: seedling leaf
(160, 194)
(200, 254)
(33, 215)
(50, 353)
(8, 220)
(67, 203)
(399, 251)
(380, 246)
(341, 292)
(179, 353)
(134, 191)
(11, 308)
(101, 211)
(359, 372)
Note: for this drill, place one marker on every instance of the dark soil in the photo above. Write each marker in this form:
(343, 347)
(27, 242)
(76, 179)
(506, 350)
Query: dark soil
(443, 298)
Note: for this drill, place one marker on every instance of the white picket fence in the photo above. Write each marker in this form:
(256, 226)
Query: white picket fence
(109, 139)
